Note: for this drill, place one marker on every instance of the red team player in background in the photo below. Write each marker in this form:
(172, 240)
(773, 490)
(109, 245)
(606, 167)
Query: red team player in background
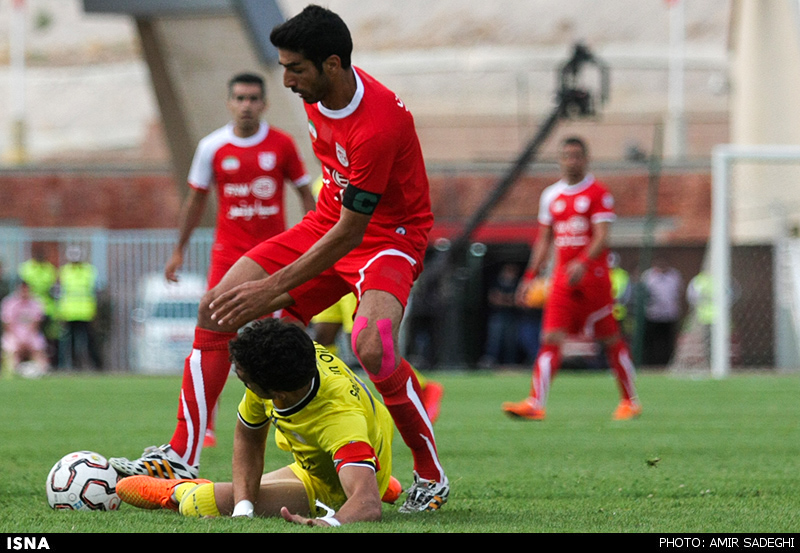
(247, 163)
(575, 216)
(368, 236)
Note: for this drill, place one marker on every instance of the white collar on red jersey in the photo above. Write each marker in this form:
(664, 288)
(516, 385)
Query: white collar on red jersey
(578, 187)
(349, 108)
(261, 134)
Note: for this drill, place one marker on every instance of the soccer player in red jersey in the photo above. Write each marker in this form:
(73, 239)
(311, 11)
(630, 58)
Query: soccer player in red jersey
(247, 163)
(575, 216)
(368, 235)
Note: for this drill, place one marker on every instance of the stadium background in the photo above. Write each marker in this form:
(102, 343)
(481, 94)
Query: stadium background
(115, 101)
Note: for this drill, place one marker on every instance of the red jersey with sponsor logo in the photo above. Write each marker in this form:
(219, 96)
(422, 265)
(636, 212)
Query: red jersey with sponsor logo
(249, 174)
(571, 211)
(372, 145)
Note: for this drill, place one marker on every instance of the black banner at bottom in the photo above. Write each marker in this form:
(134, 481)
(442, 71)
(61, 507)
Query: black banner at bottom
(665, 542)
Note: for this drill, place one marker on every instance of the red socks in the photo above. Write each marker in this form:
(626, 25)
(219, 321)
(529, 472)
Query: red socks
(401, 395)
(619, 357)
(204, 375)
(544, 370)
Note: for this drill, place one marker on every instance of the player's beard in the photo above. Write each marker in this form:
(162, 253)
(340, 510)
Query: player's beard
(317, 90)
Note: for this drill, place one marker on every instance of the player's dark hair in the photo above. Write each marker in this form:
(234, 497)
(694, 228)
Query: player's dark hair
(276, 356)
(576, 141)
(316, 33)
(247, 78)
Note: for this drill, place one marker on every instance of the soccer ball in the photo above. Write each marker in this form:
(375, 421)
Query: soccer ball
(83, 481)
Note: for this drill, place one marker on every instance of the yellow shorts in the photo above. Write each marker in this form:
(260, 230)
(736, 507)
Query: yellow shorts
(329, 493)
(340, 312)
(318, 489)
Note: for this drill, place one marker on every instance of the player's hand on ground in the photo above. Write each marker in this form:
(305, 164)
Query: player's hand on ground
(297, 519)
(240, 305)
(173, 265)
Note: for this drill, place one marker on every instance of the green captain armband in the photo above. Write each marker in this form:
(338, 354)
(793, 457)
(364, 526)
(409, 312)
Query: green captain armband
(359, 200)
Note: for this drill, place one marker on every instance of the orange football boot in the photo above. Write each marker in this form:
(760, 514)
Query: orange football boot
(147, 492)
(393, 491)
(627, 409)
(432, 399)
(526, 409)
(210, 439)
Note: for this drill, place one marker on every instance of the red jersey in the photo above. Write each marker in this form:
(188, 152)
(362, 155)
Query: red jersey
(249, 174)
(371, 146)
(571, 211)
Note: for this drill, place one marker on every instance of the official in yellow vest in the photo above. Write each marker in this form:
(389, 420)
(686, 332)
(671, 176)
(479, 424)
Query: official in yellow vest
(77, 309)
(700, 294)
(41, 276)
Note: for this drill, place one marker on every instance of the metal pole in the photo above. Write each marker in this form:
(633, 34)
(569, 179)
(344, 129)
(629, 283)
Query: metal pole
(720, 253)
(18, 150)
(677, 39)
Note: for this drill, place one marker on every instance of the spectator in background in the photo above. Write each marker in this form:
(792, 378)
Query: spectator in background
(23, 340)
(501, 339)
(700, 295)
(664, 290)
(42, 277)
(77, 308)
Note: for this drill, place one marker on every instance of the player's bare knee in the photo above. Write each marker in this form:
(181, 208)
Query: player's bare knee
(204, 312)
(373, 344)
(369, 350)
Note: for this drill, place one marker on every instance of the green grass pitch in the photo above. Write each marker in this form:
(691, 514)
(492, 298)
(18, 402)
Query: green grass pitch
(706, 456)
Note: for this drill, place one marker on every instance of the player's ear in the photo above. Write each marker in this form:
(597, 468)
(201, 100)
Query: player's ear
(332, 64)
(280, 397)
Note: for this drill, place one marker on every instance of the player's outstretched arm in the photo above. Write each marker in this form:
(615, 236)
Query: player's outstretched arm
(248, 461)
(251, 300)
(191, 212)
(363, 500)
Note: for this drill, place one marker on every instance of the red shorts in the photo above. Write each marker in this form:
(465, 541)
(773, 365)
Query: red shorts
(220, 263)
(377, 263)
(585, 309)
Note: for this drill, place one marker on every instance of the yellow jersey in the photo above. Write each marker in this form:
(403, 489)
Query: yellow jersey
(338, 410)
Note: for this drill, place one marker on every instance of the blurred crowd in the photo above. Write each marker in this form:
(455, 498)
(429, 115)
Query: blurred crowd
(49, 314)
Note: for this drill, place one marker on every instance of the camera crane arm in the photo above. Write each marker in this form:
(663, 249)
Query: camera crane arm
(572, 101)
